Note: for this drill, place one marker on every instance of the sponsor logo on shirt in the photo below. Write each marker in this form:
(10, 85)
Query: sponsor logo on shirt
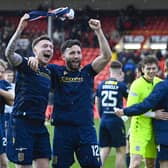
(111, 82)
(71, 79)
(133, 94)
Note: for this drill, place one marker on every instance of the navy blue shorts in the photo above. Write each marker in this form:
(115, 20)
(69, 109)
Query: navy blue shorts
(79, 140)
(112, 133)
(163, 152)
(27, 140)
(3, 141)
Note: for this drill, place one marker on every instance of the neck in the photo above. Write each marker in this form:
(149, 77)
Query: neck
(42, 64)
(114, 75)
(149, 80)
(70, 69)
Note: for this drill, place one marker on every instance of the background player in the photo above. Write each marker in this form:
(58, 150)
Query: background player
(157, 99)
(110, 94)
(10, 77)
(142, 143)
(138, 73)
(6, 98)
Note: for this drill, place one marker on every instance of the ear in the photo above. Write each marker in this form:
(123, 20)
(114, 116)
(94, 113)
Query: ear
(63, 56)
(142, 69)
(34, 50)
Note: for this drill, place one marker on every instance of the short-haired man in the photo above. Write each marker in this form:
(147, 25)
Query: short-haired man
(158, 99)
(142, 142)
(73, 103)
(28, 138)
(110, 94)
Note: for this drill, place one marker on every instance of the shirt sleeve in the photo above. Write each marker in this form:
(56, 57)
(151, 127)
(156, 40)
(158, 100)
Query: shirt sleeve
(134, 94)
(124, 90)
(54, 74)
(90, 70)
(7, 85)
(98, 90)
(23, 67)
(150, 102)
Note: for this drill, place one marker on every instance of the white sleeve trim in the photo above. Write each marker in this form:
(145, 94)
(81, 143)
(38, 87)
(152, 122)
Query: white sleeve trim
(150, 114)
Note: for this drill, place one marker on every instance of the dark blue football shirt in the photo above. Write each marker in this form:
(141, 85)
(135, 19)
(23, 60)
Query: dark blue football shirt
(73, 95)
(111, 93)
(31, 91)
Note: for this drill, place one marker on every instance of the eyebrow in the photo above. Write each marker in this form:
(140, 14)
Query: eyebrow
(74, 52)
(151, 67)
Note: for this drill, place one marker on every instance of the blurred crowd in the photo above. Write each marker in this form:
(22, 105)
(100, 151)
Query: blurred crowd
(78, 29)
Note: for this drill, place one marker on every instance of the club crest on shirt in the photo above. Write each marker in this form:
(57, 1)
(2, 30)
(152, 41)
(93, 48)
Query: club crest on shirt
(133, 94)
(55, 159)
(65, 72)
(137, 148)
(20, 156)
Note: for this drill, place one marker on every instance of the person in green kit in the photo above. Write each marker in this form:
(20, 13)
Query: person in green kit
(142, 143)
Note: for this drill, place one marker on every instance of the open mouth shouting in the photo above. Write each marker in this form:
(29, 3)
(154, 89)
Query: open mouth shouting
(47, 55)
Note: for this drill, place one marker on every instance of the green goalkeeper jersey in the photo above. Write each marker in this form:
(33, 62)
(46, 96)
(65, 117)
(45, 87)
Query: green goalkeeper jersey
(139, 90)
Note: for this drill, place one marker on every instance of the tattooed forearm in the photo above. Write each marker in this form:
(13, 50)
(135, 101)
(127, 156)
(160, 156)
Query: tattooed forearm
(12, 57)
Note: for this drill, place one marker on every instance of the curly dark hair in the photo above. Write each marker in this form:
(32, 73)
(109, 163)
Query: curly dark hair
(69, 44)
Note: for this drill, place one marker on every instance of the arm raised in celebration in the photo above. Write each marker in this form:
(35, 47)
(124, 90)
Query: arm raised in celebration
(12, 57)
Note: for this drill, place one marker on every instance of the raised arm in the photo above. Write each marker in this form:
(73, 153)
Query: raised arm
(12, 57)
(101, 61)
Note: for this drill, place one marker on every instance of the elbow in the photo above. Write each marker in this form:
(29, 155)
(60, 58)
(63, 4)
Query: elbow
(108, 56)
(10, 102)
(7, 54)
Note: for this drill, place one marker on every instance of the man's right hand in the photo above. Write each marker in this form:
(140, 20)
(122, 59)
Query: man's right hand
(161, 114)
(23, 22)
(33, 63)
(119, 112)
(94, 24)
